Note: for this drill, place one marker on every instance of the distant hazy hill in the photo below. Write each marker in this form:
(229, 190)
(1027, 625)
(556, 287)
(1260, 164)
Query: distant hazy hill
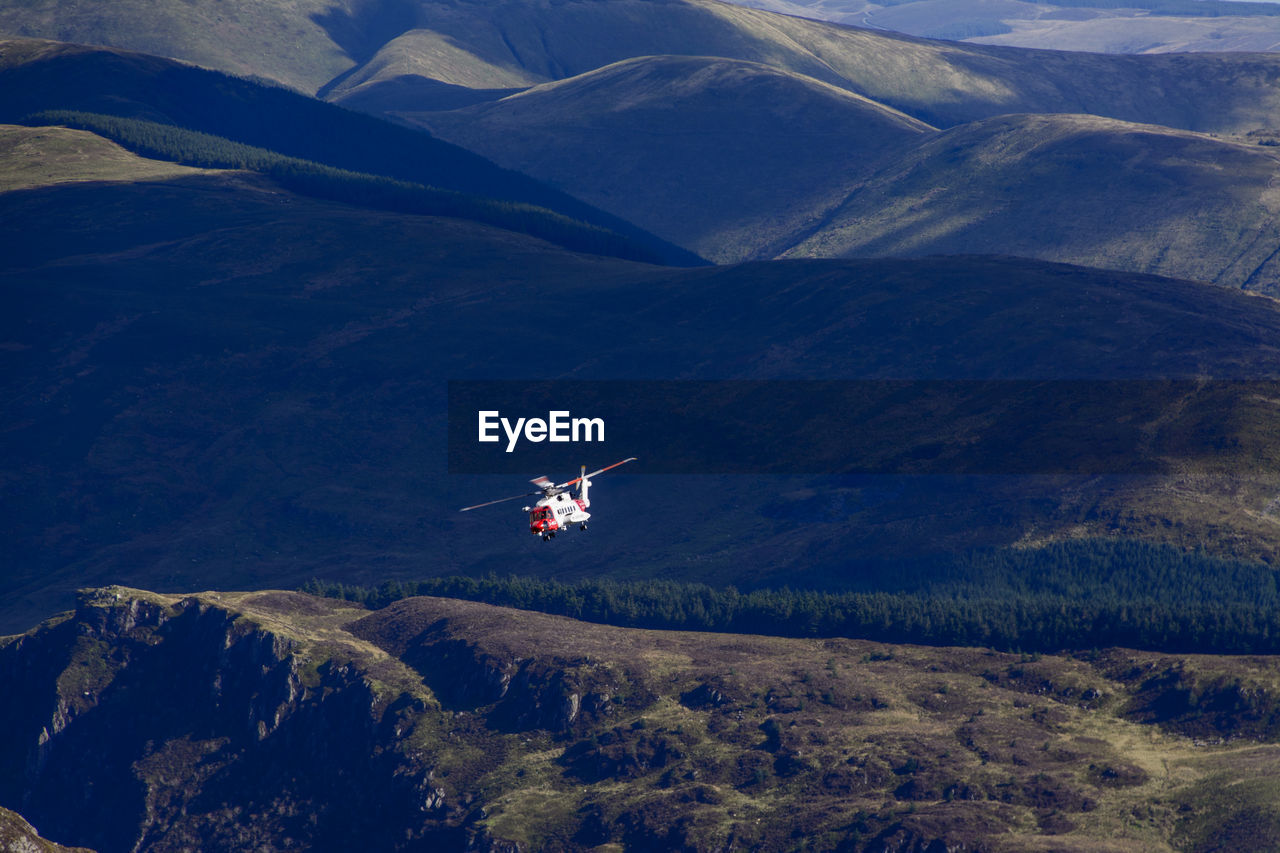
(1124, 26)
(211, 380)
(1073, 188)
(722, 156)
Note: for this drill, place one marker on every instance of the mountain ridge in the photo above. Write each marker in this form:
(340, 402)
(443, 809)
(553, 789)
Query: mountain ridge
(715, 188)
(939, 82)
(942, 83)
(636, 137)
(1203, 207)
(41, 76)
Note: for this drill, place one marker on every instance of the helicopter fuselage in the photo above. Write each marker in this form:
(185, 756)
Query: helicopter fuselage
(555, 513)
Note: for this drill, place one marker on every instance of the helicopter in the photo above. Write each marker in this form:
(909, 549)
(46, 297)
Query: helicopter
(558, 509)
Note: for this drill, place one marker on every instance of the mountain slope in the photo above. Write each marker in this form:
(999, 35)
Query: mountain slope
(37, 76)
(288, 43)
(734, 161)
(235, 720)
(517, 42)
(41, 156)
(725, 158)
(401, 46)
(1073, 188)
(211, 380)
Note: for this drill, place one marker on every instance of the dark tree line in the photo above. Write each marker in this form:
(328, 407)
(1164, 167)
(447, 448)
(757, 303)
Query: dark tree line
(1076, 595)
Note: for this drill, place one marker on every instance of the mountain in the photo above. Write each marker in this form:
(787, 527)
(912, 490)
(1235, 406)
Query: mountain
(724, 157)
(412, 50)
(753, 168)
(816, 149)
(1079, 189)
(211, 381)
(246, 720)
(519, 43)
(1135, 26)
(300, 45)
(256, 375)
(38, 76)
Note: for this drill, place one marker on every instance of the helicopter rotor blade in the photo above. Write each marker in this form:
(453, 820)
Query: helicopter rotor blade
(593, 473)
(500, 500)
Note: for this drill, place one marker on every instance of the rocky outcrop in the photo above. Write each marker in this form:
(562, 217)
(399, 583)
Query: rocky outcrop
(275, 721)
(18, 836)
(515, 690)
(1206, 703)
(167, 723)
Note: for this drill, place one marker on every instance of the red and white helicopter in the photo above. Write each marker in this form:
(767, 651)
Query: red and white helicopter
(558, 509)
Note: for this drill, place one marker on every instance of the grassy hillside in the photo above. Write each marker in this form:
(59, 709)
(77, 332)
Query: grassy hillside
(1072, 188)
(390, 51)
(759, 159)
(723, 157)
(300, 44)
(42, 156)
(211, 380)
(943, 83)
(468, 726)
(39, 76)
(734, 162)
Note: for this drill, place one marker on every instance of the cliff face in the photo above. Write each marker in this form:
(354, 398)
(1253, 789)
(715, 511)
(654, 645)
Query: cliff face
(276, 721)
(159, 722)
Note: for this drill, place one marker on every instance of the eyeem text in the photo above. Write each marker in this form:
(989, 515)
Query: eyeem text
(558, 426)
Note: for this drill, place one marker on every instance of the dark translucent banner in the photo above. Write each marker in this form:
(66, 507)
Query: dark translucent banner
(866, 427)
